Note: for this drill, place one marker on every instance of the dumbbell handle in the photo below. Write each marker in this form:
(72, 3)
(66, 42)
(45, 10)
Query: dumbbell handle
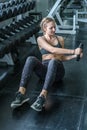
(78, 56)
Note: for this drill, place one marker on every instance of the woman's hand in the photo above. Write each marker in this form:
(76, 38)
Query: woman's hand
(81, 54)
(78, 51)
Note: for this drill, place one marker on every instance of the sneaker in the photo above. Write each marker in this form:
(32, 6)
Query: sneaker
(39, 103)
(19, 101)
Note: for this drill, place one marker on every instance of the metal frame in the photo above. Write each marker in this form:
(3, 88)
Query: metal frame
(62, 27)
(81, 16)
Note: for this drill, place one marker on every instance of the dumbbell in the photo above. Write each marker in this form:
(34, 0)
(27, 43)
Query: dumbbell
(28, 25)
(27, 6)
(12, 2)
(30, 22)
(78, 56)
(14, 10)
(24, 23)
(33, 23)
(19, 8)
(15, 38)
(7, 32)
(2, 6)
(3, 15)
(3, 36)
(32, 4)
(18, 30)
(10, 34)
(11, 29)
(28, 32)
(21, 25)
(8, 13)
(31, 19)
(22, 8)
(5, 40)
(16, 27)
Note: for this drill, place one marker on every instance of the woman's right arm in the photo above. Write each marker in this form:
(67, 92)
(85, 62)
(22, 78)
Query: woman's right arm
(54, 50)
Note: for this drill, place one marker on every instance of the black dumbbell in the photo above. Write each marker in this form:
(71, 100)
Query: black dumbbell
(30, 20)
(24, 23)
(14, 11)
(3, 36)
(3, 15)
(21, 25)
(12, 2)
(32, 4)
(34, 23)
(28, 6)
(16, 27)
(80, 46)
(11, 29)
(7, 32)
(30, 25)
(2, 6)
(6, 13)
(19, 8)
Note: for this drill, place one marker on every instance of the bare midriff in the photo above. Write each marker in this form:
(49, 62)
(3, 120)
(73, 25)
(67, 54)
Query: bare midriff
(52, 56)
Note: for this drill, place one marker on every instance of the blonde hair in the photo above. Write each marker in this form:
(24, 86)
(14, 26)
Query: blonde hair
(44, 22)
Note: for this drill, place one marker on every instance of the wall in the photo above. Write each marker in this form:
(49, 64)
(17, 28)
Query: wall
(44, 6)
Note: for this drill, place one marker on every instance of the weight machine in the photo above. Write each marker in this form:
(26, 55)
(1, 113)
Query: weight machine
(81, 15)
(56, 12)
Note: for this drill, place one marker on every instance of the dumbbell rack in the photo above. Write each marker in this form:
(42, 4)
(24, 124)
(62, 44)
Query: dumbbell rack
(22, 24)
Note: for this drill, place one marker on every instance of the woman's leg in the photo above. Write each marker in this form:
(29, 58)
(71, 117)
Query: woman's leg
(55, 71)
(31, 64)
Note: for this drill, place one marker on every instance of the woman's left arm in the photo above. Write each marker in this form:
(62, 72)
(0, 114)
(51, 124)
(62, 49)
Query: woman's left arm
(65, 57)
(70, 57)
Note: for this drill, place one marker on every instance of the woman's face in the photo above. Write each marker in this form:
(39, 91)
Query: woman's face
(50, 28)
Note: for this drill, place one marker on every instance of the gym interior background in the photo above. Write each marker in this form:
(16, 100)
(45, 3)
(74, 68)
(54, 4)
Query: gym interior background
(19, 28)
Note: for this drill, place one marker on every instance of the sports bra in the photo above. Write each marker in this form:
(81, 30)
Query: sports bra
(43, 51)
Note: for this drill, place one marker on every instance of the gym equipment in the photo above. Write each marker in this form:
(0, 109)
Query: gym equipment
(13, 8)
(16, 32)
(19, 29)
(80, 46)
(82, 14)
(56, 13)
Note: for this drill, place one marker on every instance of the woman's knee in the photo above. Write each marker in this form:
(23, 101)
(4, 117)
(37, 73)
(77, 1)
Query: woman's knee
(30, 59)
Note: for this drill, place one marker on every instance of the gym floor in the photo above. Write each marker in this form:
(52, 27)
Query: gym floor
(68, 99)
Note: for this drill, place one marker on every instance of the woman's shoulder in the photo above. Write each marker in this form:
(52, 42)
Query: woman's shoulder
(61, 40)
(40, 40)
(40, 37)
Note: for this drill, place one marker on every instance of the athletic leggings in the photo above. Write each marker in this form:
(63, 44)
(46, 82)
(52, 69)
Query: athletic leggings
(48, 70)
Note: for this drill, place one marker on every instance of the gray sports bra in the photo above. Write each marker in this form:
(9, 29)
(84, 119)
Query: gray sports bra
(43, 51)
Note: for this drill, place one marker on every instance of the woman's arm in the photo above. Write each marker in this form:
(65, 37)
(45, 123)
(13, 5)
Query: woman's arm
(54, 50)
(44, 44)
(70, 57)
(66, 58)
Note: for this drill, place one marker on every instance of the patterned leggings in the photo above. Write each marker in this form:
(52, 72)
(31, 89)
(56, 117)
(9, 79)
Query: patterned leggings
(48, 70)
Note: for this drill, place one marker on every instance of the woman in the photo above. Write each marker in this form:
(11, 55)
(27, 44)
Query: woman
(51, 68)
